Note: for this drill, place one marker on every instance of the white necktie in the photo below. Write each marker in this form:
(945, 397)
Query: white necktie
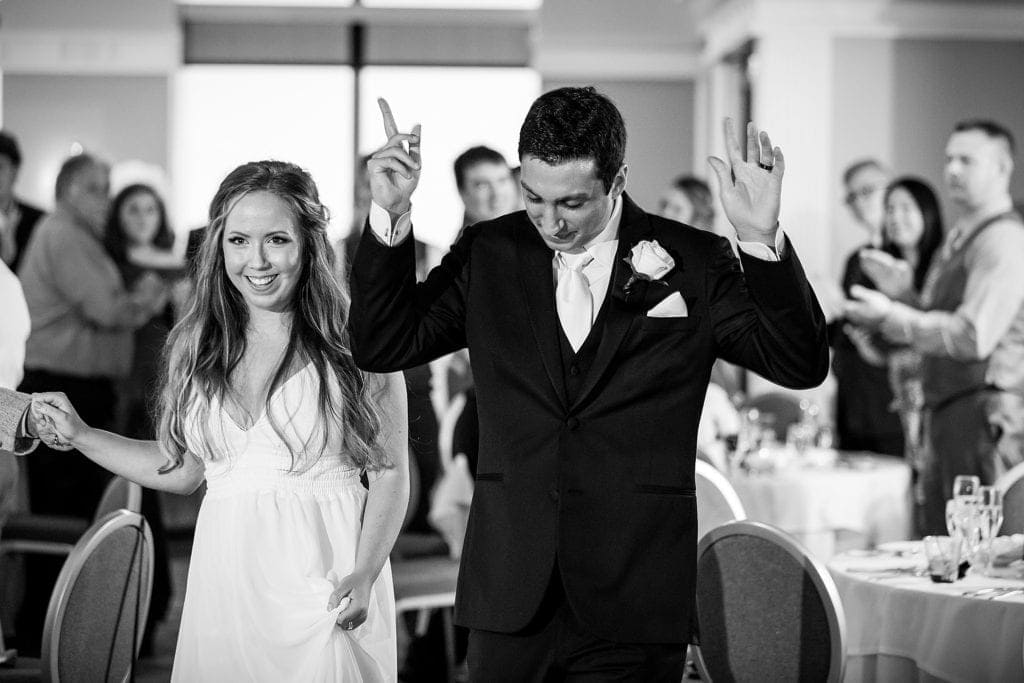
(573, 298)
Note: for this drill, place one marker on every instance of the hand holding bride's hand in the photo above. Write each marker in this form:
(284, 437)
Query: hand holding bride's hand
(394, 170)
(40, 427)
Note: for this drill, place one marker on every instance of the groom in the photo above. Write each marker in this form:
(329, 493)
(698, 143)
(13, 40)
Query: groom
(592, 327)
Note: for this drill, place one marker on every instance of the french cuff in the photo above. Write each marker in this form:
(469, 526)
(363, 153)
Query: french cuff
(762, 251)
(389, 234)
(897, 325)
(23, 443)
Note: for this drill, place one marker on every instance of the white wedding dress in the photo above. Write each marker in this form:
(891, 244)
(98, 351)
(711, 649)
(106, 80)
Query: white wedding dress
(270, 546)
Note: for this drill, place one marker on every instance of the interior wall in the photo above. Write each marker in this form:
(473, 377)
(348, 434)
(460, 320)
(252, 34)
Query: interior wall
(659, 118)
(938, 83)
(116, 117)
(103, 15)
(863, 108)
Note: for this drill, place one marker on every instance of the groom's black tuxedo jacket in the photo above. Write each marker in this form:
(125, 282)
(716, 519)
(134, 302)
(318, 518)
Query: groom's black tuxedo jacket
(589, 457)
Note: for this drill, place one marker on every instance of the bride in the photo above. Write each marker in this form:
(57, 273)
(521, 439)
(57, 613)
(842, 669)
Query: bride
(289, 577)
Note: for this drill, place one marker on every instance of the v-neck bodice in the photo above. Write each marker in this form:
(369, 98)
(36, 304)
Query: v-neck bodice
(262, 454)
(263, 407)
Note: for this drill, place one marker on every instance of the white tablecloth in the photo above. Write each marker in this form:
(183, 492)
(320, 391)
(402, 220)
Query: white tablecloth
(905, 628)
(868, 495)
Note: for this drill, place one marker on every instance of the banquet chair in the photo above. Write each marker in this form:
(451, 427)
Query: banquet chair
(717, 502)
(97, 612)
(784, 409)
(766, 609)
(1012, 486)
(57, 534)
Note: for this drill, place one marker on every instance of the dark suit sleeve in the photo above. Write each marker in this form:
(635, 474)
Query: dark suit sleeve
(766, 317)
(395, 323)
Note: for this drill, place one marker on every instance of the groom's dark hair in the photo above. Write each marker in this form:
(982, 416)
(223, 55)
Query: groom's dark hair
(569, 124)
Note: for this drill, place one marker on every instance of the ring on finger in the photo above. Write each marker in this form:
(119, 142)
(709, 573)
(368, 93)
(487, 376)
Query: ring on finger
(767, 167)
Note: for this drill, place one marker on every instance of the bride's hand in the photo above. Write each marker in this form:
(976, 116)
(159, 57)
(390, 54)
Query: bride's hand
(355, 589)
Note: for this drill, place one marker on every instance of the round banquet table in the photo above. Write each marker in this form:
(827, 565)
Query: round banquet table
(864, 494)
(902, 627)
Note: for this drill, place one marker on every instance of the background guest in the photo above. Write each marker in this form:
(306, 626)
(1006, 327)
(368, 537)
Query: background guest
(17, 219)
(689, 200)
(912, 234)
(863, 395)
(968, 323)
(83, 318)
(485, 184)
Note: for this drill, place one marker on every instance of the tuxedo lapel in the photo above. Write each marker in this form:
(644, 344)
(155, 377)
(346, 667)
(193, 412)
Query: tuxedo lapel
(536, 277)
(633, 227)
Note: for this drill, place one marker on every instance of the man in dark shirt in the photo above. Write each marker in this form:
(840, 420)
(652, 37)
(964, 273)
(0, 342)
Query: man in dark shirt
(17, 219)
(864, 421)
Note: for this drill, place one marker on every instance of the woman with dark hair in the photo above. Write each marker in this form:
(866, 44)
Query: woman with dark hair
(261, 399)
(912, 230)
(137, 223)
(911, 234)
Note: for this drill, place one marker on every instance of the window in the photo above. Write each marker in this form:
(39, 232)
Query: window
(227, 115)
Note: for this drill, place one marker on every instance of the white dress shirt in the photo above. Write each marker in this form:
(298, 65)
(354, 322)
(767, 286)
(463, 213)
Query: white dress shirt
(14, 328)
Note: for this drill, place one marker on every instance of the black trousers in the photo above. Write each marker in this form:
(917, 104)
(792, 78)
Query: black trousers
(60, 483)
(556, 646)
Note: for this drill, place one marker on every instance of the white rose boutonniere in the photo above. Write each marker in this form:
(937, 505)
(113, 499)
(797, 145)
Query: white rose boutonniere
(649, 262)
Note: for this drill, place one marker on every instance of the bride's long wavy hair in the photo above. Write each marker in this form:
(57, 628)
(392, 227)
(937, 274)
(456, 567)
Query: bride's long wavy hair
(206, 346)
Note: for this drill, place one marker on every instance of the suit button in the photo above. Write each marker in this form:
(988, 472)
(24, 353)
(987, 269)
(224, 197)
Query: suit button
(553, 494)
(574, 369)
(572, 423)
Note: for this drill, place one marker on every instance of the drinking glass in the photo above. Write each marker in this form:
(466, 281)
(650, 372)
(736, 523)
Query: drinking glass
(953, 513)
(990, 507)
(969, 523)
(943, 553)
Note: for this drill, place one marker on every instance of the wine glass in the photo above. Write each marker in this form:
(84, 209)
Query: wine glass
(953, 513)
(990, 508)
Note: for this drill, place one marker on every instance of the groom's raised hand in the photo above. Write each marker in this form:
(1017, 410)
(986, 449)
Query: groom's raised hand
(394, 170)
(751, 188)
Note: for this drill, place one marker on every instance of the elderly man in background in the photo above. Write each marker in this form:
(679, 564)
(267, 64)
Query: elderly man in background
(83, 320)
(17, 219)
(968, 323)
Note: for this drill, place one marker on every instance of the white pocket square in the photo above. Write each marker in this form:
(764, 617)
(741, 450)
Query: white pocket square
(672, 306)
